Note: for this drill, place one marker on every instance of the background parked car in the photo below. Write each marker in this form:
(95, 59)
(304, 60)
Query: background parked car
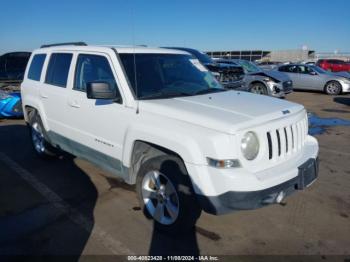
(268, 65)
(230, 76)
(334, 65)
(13, 65)
(310, 77)
(257, 81)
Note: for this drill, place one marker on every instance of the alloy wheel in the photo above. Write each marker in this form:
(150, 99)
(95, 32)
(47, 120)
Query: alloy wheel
(332, 88)
(38, 138)
(258, 89)
(160, 197)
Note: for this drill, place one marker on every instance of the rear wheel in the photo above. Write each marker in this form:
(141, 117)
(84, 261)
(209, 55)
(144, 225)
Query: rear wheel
(166, 195)
(333, 88)
(258, 88)
(39, 137)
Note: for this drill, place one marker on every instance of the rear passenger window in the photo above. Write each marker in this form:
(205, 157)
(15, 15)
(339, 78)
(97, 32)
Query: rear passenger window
(36, 67)
(92, 68)
(58, 69)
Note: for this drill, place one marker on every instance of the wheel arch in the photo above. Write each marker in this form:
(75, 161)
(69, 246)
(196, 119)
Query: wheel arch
(332, 80)
(144, 150)
(29, 107)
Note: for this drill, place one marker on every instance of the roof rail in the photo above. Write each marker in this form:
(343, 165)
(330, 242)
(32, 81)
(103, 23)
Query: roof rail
(69, 43)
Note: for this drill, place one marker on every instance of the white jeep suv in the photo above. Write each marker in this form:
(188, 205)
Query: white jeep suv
(158, 119)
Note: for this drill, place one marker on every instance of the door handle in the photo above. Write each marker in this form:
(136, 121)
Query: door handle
(74, 104)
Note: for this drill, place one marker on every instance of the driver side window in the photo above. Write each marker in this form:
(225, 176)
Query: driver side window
(92, 68)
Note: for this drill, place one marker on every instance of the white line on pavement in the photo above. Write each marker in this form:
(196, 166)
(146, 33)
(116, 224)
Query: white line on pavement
(113, 245)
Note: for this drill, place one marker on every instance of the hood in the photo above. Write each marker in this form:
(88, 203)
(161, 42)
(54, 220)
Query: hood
(342, 74)
(225, 112)
(216, 67)
(274, 74)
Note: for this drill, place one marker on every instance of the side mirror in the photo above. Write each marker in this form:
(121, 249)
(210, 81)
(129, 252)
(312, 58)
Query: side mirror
(313, 73)
(100, 90)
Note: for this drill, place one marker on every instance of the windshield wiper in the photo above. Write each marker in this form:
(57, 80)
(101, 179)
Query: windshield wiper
(209, 90)
(163, 94)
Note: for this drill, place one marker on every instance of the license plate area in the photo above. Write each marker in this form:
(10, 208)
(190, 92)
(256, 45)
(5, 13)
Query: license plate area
(307, 173)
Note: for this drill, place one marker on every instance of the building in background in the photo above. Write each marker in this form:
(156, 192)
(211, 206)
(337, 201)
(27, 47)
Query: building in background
(293, 55)
(251, 55)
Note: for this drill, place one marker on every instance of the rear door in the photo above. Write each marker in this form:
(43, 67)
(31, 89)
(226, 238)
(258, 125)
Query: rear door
(53, 92)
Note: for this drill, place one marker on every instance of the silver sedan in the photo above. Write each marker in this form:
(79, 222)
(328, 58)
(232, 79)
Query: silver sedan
(311, 77)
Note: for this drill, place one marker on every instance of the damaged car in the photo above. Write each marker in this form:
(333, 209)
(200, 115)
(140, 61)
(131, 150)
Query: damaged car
(272, 83)
(13, 65)
(10, 102)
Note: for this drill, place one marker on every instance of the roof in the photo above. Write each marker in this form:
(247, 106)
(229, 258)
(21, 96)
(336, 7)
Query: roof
(118, 48)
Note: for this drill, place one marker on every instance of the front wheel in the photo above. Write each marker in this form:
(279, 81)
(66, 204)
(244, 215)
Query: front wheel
(333, 88)
(258, 88)
(166, 195)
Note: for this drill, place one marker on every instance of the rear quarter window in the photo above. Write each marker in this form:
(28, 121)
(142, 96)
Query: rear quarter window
(36, 67)
(58, 69)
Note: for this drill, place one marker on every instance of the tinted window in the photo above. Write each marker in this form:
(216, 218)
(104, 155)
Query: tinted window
(92, 68)
(58, 69)
(36, 67)
(289, 69)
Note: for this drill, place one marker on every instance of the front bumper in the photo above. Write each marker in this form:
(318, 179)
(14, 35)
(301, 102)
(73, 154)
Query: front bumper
(231, 201)
(345, 87)
(243, 185)
(280, 89)
(233, 85)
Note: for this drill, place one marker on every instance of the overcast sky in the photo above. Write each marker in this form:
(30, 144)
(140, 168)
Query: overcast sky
(202, 24)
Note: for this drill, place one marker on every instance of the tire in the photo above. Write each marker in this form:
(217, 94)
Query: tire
(38, 135)
(258, 88)
(333, 88)
(166, 195)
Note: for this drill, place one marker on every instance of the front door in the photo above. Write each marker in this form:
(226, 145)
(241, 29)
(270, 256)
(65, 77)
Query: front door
(309, 79)
(97, 126)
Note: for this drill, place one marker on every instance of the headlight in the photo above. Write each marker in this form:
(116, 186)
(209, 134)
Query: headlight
(250, 145)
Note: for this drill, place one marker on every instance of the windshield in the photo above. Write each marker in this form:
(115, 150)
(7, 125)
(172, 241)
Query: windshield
(248, 66)
(318, 69)
(168, 75)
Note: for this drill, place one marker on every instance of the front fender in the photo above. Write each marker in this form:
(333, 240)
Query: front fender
(184, 146)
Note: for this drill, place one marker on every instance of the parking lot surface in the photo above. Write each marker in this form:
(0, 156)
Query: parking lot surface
(67, 206)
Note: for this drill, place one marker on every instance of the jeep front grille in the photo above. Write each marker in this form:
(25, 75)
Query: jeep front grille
(286, 140)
